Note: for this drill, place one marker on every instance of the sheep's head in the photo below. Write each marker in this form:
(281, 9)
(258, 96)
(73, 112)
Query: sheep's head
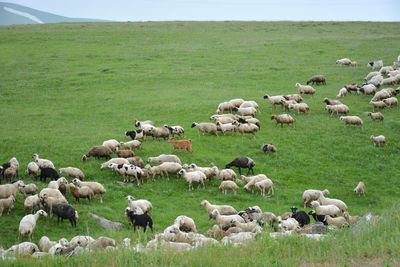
(84, 158)
(273, 117)
(181, 171)
(266, 96)
(194, 124)
(311, 212)
(294, 209)
(129, 197)
(325, 192)
(76, 181)
(35, 156)
(371, 137)
(214, 213)
(42, 213)
(314, 204)
(203, 203)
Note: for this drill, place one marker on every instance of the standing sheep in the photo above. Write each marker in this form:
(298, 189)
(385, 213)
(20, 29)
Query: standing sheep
(265, 184)
(96, 187)
(378, 140)
(98, 152)
(242, 162)
(305, 89)
(43, 163)
(376, 116)
(331, 210)
(33, 169)
(352, 120)
(300, 107)
(317, 79)
(72, 172)
(28, 223)
(312, 194)
(206, 127)
(111, 144)
(338, 108)
(342, 92)
(269, 148)
(228, 185)
(360, 189)
(283, 118)
(274, 100)
(223, 209)
(193, 177)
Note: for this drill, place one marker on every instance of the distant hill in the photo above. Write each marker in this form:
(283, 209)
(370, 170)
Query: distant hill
(17, 14)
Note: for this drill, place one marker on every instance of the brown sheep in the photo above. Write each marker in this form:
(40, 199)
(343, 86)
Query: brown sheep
(317, 79)
(125, 153)
(181, 144)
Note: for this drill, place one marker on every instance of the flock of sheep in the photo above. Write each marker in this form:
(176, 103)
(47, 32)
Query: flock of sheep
(231, 226)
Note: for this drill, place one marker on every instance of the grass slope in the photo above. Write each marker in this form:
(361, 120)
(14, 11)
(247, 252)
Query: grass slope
(67, 87)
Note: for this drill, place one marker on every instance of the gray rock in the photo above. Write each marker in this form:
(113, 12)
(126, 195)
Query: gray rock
(107, 224)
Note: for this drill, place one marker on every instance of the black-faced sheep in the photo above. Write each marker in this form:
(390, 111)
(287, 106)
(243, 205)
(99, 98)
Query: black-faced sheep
(48, 173)
(269, 148)
(66, 211)
(138, 134)
(318, 218)
(242, 162)
(142, 220)
(300, 216)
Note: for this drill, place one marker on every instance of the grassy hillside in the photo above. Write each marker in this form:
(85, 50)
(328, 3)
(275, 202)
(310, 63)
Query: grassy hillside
(67, 87)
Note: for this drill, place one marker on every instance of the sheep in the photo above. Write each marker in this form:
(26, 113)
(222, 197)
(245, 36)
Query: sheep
(176, 130)
(132, 171)
(312, 194)
(205, 127)
(193, 177)
(385, 69)
(376, 81)
(249, 178)
(300, 216)
(170, 168)
(32, 203)
(33, 169)
(286, 103)
(98, 152)
(45, 243)
(252, 227)
(242, 162)
(137, 161)
(274, 100)
(160, 132)
(269, 148)
(185, 224)
(143, 204)
(369, 89)
(265, 184)
(393, 73)
(246, 128)
(391, 101)
(325, 209)
(300, 107)
(43, 163)
(378, 140)
(102, 242)
(80, 240)
(317, 79)
(131, 144)
(66, 211)
(352, 120)
(51, 202)
(283, 118)
(6, 203)
(140, 220)
(238, 238)
(318, 218)
(113, 160)
(228, 185)
(157, 170)
(50, 192)
(332, 201)
(288, 224)
(223, 120)
(343, 61)
(375, 64)
(145, 127)
(331, 102)
(48, 173)
(360, 189)
(256, 179)
(58, 183)
(353, 64)
(230, 116)
(226, 127)
(28, 189)
(96, 187)
(181, 144)
(376, 116)
(382, 94)
(136, 134)
(225, 106)
(24, 249)
(10, 172)
(250, 111)
(72, 172)
(352, 87)
(81, 192)
(294, 97)
(377, 104)
(389, 81)
(371, 74)
(236, 102)
(338, 221)
(226, 174)
(10, 189)
(247, 104)
(125, 153)
(223, 209)
(225, 220)
(305, 89)
(28, 223)
(164, 158)
(111, 144)
(342, 93)
(350, 219)
(138, 123)
(210, 172)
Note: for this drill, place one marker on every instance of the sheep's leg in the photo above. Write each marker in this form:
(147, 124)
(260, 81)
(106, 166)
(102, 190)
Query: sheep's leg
(101, 198)
(240, 172)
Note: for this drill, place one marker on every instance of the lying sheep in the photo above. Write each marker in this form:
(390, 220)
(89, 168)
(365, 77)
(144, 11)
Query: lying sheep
(24, 249)
(164, 158)
(72, 172)
(96, 187)
(131, 144)
(331, 102)
(206, 127)
(378, 140)
(33, 169)
(300, 107)
(269, 148)
(80, 240)
(342, 93)
(283, 118)
(305, 89)
(375, 64)
(351, 120)
(350, 219)
(102, 243)
(181, 144)
(228, 185)
(343, 61)
(360, 189)
(289, 224)
(28, 223)
(317, 79)
(238, 238)
(193, 177)
(98, 152)
(222, 209)
(338, 221)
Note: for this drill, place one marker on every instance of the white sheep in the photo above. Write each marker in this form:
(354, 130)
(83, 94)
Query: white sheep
(164, 158)
(170, 168)
(72, 172)
(225, 220)
(283, 118)
(246, 128)
(225, 106)
(289, 224)
(342, 93)
(28, 189)
(331, 210)
(6, 204)
(111, 144)
(295, 97)
(223, 209)
(56, 184)
(114, 160)
(33, 169)
(343, 61)
(265, 184)
(28, 223)
(286, 103)
(143, 204)
(50, 192)
(131, 144)
(382, 94)
(312, 194)
(391, 101)
(338, 221)
(43, 163)
(378, 140)
(226, 127)
(305, 89)
(377, 104)
(21, 249)
(274, 100)
(95, 186)
(32, 203)
(238, 238)
(80, 240)
(10, 189)
(236, 102)
(352, 120)
(332, 201)
(45, 243)
(185, 224)
(228, 185)
(250, 111)
(248, 104)
(210, 172)
(360, 189)
(223, 120)
(193, 177)
(369, 89)
(386, 69)
(375, 64)
(226, 174)
(299, 107)
(206, 127)
(350, 219)
(372, 74)
(258, 178)
(160, 132)
(389, 81)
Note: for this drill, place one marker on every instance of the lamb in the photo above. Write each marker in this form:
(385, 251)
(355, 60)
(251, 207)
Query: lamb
(342, 93)
(223, 209)
(376, 116)
(226, 127)
(283, 118)
(360, 189)
(43, 163)
(205, 127)
(332, 201)
(131, 144)
(375, 64)
(28, 223)
(33, 169)
(225, 106)
(265, 184)
(352, 120)
(98, 152)
(193, 177)
(350, 219)
(259, 178)
(51, 202)
(331, 102)
(236, 102)
(181, 144)
(250, 111)
(143, 204)
(391, 101)
(338, 221)
(228, 185)
(300, 107)
(378, 140)
(111, 144)
(274, 100)
(300, 216)
(325, 209)
(10, 189)
(185, 224)
(269, 148)
(238, 238)
(368, 89)
(164, 158)
(160, 132)
(81, 192)
(225, 220)
(72, 172)
(305, 89)
(343, 61)
(125, 153)
(246, 128)
(6, 204)
(226, 174)
(28, 189)
(317, 79)
(242, 162)
(318, 218)
(377, 104)
(113, 160)
(136, 134)
(66, 211)
(294, 97)
(32, 203)
(312, 194)
(96, 187)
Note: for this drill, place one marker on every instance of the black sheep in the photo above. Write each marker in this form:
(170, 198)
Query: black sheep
(65, 211)
(300, 216)
(142, 220)
(3, 168)
(48, 173)
(318, 218)
(243, 162)
(133, 134)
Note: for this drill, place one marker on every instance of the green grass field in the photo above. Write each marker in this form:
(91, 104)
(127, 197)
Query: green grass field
(67, 87)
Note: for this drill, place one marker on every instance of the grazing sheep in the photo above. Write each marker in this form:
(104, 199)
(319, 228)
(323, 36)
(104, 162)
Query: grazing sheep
(81, 192)
(138, 123)
(376, 116)
(352, 120)
(386, 69)
(372, 74)
(50, 192)
(360, 189)
(378, 140)
(66, 211)
(170, 168)
(146, 127)
(389, 81)
(10, 189)
(43, 163)
(98, 152)
(223, 209)
(10, 170)
(246, 128)
(72, 172)
(51, 202)
(325, 209)
(376, 81)
(164, 158)
(225, 220)
(338, 221)
(130, 170)
(283, 118)
(242, 162)
(45, 244)
(136, 134)
(223, 120)
(331, 102)
(33, 169)
(24, 249)
(236, 102)
(181, 144)
(115, 161)
(300, 216)
(274, 100)
(32, 203)
(96, 187)
(160, 132)
(377, 104)
(248, 104)
(225, 106)
(255, 179)
(317, 79)
(137, 161)
(226, 127)
(305, 89)
(265, 184)
(206, 127)
(176, 130)
(193, 177)
(238, 238)
(125, 153)
(210, 172)
(375, 64)
(6, 204)
(391, 101)
(228, 185)
(342, 93)
(48, 173)
(140, 220)
(286, 103)
(131, 144)
(300, 107)
(318, 218)
(312, 194)
(350, 219)
(143, 204)
(352, 87)
(28, 223)
(58, 183)
(294, 97)
(28, 189)
(111, 144)
(343, 61)
(382, 94)
(226, 174)
(332, 201)
(269, 148)
(250, 111)
(368, 89)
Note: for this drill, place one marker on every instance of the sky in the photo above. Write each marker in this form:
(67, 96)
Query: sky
(220, 10)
